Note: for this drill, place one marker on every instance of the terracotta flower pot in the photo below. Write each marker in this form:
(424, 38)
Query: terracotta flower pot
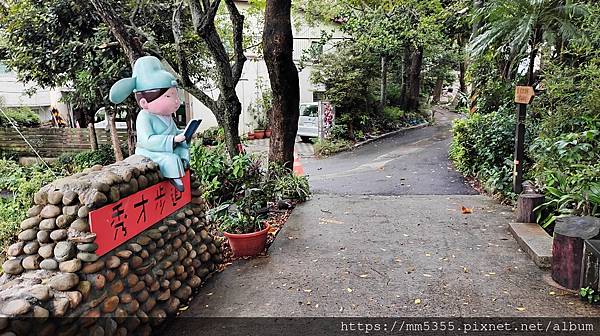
(248, 244)
(259, 134)
(250, 135)
(268, 133)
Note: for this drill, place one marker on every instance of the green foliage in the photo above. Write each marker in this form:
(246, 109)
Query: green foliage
(482, 147)
(282, 183)
(327, 147)
(239, 222)
(516, 28)
(393, 114)
(22, 117)
(223, 178)
(568, 169)
(74, 163)
(238, 190)
(492, 91)
(589, 295)
(259, 108)
(347, 75)
(17, 186)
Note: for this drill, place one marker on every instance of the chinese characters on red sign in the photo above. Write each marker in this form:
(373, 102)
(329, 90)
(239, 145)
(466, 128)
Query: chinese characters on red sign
(116, 223)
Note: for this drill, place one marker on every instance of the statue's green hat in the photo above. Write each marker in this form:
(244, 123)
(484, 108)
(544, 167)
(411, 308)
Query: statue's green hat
(148, 74)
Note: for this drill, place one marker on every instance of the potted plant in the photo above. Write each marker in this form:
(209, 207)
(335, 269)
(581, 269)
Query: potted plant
(261, 123)
(247, 234)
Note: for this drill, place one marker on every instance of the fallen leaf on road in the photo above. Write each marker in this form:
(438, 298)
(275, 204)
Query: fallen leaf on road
(521, 308)
(466, 211)
(349, 290)
(466, 270)
(184, 308)
(363, 275)
(552, 293)
(427, 275)
(308, 290)
(417, 301)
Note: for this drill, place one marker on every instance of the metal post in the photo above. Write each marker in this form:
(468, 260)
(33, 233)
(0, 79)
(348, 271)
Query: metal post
(519, 149)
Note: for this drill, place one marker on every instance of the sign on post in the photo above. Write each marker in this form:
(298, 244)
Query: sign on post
(116, 223)
(523, 94)
(326, 117)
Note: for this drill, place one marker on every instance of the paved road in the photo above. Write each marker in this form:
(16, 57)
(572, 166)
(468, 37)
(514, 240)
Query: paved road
(367, 245)
(411, 163)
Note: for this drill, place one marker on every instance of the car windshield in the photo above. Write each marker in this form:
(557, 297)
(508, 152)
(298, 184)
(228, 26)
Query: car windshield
(309, 110)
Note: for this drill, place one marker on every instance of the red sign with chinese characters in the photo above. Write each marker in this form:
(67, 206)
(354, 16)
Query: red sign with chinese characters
(116, 223)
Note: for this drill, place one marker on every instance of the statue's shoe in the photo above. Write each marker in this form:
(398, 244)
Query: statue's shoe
(178, 184)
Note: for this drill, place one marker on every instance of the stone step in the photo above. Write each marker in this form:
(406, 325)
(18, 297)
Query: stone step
(535, 241)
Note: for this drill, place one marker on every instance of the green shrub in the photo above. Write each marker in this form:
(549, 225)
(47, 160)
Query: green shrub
(282, 183)
(482, 147)
(331, 146)
(393, 114)
(77, 162)
(567, 167)
(22, 116)
(18, 184)
(223, 178)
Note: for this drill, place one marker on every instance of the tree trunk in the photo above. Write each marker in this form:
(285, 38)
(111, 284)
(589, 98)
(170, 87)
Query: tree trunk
(278, 45)
(567, 248)
(92, 135)
(131, 135)
(383, 86)
(437, 91)
(526, 205)
(414, 79)
(405, 77)
(114, 137)
(462, 66)
(229, 120)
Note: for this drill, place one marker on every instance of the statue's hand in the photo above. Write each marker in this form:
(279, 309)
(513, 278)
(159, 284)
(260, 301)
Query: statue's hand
(180, 138)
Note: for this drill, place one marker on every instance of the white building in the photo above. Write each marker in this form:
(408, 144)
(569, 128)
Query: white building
(15, 94)
(255, 68)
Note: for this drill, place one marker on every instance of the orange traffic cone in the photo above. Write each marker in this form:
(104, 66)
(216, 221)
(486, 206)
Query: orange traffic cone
(298, 170)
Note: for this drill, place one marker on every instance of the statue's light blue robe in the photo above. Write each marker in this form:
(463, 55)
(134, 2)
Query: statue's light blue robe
(155, 141)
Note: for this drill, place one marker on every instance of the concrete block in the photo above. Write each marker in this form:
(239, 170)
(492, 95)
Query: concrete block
(534, 240)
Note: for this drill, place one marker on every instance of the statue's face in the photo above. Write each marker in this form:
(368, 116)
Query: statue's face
(166, 104)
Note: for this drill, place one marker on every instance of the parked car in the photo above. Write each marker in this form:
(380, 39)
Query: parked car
(100, 120)
(308, 123)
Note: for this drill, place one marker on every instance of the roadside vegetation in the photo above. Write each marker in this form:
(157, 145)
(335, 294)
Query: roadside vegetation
(390, 67)
(562, 131)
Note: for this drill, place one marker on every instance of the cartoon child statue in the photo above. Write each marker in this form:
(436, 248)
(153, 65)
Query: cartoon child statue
(158, 138)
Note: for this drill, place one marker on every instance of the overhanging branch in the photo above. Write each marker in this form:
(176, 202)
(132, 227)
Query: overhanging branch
(237, 22)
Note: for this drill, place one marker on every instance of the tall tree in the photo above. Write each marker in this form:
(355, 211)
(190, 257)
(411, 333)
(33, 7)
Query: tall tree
(191, 21)
(66, 48)
(518, 28)
(278, 46)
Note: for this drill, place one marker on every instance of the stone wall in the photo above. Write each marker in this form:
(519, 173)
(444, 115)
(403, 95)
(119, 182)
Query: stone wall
(54, 275)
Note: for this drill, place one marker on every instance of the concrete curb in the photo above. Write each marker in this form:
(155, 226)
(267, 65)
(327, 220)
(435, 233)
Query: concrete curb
(534, 241)
(385, 135)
